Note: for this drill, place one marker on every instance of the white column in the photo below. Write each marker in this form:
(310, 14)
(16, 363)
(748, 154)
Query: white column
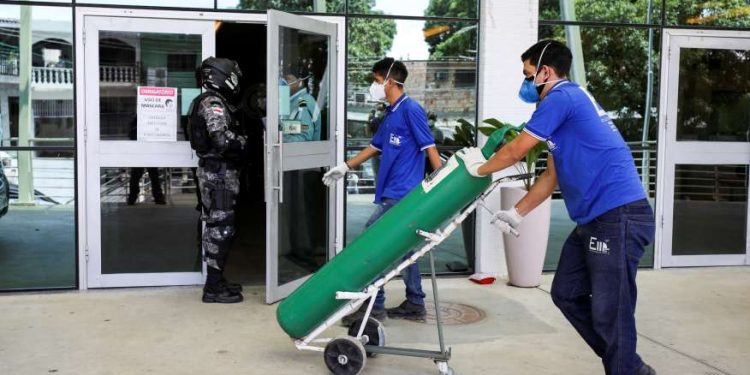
(508, 28)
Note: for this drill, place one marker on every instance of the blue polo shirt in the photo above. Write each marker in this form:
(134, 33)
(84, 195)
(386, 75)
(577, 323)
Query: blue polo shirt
(402, 137)
(594, 166)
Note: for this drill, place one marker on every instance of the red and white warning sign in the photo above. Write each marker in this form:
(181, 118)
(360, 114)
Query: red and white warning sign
(157, 114)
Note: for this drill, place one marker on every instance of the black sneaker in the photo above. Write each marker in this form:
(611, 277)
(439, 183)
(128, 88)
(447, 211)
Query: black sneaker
(359, 314)
(220, 294)
(407, 310)
(646, 370)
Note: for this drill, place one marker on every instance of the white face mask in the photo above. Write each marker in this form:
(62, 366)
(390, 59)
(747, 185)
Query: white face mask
(377, 91)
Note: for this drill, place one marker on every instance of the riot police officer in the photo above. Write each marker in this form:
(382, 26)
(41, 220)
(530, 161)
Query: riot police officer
(217, 138)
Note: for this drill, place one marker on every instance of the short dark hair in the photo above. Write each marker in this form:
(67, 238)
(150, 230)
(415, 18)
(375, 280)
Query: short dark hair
(557, 56)
(398, 69)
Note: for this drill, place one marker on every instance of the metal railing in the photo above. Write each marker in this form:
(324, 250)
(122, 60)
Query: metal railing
(51, 76)
(119, 74)
(64, 76)
(642, 155)
(8, 67)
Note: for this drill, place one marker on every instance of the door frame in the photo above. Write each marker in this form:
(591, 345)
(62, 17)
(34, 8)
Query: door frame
(80, 105)
(115, 154)
(295, 156)
(672, 152)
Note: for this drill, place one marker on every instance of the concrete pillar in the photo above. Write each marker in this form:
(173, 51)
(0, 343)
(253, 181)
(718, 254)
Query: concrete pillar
(25, 116)
(507, 29)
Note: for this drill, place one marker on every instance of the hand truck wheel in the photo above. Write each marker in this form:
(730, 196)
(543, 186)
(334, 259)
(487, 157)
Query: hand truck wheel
(345, 356)
(444, 369)
(374, 331)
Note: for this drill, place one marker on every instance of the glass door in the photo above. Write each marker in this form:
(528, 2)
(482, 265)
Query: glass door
(141, 216)
(704, 149)
(300, 146)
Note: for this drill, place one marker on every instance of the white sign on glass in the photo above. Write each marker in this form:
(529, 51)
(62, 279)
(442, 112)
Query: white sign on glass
(157, 114)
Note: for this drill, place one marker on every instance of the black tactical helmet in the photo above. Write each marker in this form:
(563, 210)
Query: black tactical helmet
(221, 74)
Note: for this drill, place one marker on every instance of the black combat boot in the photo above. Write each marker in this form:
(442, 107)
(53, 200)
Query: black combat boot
(232, 287)
(220, 293)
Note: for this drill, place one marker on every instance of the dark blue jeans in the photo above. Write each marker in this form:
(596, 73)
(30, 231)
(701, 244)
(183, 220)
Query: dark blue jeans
(412, 277)
(594, 285)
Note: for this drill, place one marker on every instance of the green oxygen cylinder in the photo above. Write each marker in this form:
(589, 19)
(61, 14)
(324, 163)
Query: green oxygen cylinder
(437, 199)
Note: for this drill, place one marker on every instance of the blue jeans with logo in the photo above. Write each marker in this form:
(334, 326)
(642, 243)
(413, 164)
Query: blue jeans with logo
(594, 285)
(412, 277)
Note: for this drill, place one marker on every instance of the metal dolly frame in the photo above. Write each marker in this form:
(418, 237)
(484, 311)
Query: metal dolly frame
(350, 352)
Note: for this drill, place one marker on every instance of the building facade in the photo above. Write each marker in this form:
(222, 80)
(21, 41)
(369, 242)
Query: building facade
(86, 161)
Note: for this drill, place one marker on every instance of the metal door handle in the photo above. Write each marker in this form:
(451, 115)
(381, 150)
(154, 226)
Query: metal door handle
(280, 172)
(265, 169)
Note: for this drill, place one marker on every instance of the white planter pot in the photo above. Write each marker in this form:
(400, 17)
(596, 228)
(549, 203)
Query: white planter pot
(524, 254)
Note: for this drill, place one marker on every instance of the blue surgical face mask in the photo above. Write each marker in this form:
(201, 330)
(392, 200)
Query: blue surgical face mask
(528, 92)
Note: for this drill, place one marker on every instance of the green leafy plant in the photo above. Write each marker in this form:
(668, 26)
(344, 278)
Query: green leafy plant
(464, 135)
(531, 157)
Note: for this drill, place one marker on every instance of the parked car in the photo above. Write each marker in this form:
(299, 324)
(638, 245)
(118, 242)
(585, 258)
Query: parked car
(4, 192)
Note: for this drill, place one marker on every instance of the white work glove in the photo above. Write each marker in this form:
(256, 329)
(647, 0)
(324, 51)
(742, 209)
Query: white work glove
(473, 159)
(507, 221)
(335, 174)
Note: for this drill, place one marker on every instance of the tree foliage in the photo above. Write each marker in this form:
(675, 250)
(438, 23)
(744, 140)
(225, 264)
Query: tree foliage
(451, 39)
(616, 58)
(369, 39)
(332, 6)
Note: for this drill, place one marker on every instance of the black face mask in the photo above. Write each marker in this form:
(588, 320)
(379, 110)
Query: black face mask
(540, 87)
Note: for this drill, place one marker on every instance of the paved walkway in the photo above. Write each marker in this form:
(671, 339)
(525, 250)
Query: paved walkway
(691, 321)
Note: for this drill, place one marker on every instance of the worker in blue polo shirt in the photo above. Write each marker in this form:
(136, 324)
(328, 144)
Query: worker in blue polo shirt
(402, 139)
(594, 285)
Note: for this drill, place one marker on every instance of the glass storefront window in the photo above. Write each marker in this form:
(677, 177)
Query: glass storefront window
(440, 58)
(708, 14)
(615, 67)
(303, 218)
(37, 186)
(41, 54)
(129, 60)
(621, 11)
(160, 3)
(149, 220)
(615, 71)
(313, 6)
(710, 209)
(714, 95)
(304, 86)
(37, 221)
(416, 8)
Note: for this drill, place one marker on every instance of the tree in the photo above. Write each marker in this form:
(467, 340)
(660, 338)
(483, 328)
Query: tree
(616, 58)
(451, 39)
(369, 40)
(332, 6)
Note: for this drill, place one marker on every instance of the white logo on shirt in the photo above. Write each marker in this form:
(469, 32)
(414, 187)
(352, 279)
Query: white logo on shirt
(395, 140)
(551, 145)
(599, 247)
